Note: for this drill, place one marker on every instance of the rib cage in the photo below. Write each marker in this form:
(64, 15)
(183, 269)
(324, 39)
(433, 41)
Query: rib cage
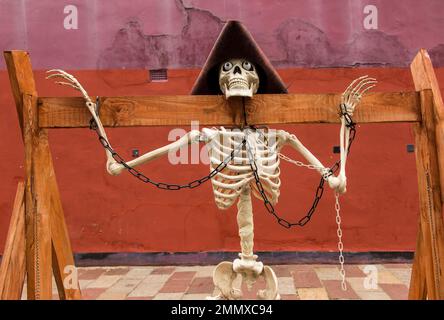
(228, 184)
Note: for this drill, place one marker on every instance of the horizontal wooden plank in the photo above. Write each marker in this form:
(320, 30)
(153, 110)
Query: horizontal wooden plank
(65, 112)
(324, 108)
(68, 112)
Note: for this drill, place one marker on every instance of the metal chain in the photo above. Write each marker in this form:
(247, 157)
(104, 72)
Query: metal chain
(269, 206)
(320, 189)
(299, 163)
(165, 186)
(340, 244)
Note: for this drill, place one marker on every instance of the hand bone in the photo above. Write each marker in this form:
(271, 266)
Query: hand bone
(72, 82)
(354, 92)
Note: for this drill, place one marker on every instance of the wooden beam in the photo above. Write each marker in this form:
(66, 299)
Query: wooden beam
(38, 231)
(424, 78)
(69, 112)
(323, 108)
(47, 240)
(38, 258)
(142, 111)
(13, 266)
(63, 261)
(20, 78)
(430, 256)
(418, 283)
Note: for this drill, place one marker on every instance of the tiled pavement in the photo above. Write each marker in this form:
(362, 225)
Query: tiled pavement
(374, 282)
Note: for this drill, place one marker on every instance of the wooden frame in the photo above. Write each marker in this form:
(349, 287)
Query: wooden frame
(38, 226)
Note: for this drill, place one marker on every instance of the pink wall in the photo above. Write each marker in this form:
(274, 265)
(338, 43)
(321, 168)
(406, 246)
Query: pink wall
(180, 33)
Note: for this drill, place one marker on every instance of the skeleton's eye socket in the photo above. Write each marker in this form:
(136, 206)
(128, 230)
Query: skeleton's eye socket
(227, 66)
(247, 66)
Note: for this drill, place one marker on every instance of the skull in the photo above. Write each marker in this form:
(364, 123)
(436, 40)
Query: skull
(238, 78)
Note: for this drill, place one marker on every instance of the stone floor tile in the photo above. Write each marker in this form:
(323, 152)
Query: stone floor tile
(397, 266)
(92, 294)
(190, 268)
(139, 298)
(205, 271)
(334, 290)
(124, 286)
(195, 296)
(138, 272)
(182, 275)
(300, 267)
(290, 297)
(90, 273)
(404, 275)
(85, 283)
(104, 281)
(201, 285)
(163, 270)
(373, 295)
(150, 286)
(385, 276)
(107, 295)
(168, 296)
(117, 271)
(395, 291)
(312, 294)
(175, 286)
(328, 273)
(306, 279)
(353, 271)
(282, 270)
(286, 285)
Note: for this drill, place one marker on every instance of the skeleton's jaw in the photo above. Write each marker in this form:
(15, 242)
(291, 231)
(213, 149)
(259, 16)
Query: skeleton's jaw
(238, 88)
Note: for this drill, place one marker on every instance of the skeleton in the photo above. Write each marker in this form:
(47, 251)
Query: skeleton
(238, 77)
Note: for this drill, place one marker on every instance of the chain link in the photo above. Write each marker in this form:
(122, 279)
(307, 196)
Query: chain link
(299, 163)
(165, 186)
(340, 244)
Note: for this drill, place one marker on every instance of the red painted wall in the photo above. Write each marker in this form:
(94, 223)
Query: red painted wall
(107, 214)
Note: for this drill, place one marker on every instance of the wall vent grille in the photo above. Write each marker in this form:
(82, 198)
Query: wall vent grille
(158, 75)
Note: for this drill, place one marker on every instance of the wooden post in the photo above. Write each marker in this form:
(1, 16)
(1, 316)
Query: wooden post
(427, 279)
(13, 267)
(48, 247)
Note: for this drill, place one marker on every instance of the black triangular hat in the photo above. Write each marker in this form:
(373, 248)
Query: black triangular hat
(235, 41)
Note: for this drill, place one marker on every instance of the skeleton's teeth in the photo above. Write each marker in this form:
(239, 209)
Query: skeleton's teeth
(237, 83)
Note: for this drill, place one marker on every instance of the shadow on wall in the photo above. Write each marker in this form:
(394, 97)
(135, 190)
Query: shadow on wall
(298, 44)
